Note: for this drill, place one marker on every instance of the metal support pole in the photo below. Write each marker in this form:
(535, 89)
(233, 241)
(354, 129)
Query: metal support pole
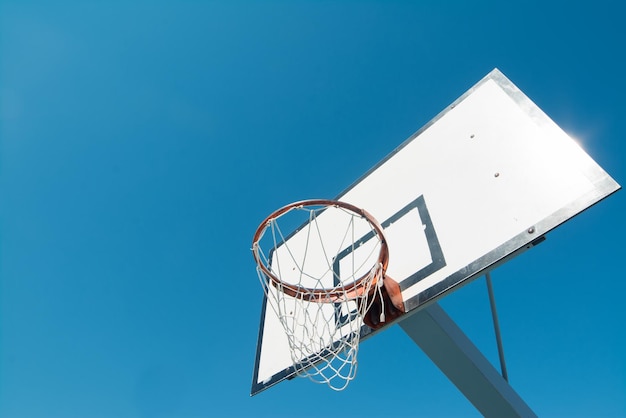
(455, 355)
(496, 326)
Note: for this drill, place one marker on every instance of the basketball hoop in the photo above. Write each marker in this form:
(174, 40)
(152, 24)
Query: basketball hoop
(322, 266)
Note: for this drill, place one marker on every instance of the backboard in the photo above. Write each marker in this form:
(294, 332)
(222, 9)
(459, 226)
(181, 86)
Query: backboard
(481, 182)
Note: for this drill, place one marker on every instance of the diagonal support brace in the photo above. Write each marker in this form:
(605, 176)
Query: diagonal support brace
(461, 361)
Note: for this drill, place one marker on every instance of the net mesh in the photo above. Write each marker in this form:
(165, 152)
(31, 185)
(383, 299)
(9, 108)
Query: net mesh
(325, 268)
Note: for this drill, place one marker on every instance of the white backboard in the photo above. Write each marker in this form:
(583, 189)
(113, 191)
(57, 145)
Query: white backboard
(481, 182)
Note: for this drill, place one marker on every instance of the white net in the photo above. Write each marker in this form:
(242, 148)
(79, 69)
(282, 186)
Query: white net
(323, 264)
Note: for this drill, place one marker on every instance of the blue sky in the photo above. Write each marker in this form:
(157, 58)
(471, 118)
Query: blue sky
(142, 142)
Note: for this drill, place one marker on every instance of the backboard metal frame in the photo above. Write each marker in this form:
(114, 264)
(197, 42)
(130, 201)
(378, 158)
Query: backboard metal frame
(595, 185)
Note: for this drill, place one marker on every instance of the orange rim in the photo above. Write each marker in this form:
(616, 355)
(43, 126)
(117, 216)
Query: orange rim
(353, 291)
